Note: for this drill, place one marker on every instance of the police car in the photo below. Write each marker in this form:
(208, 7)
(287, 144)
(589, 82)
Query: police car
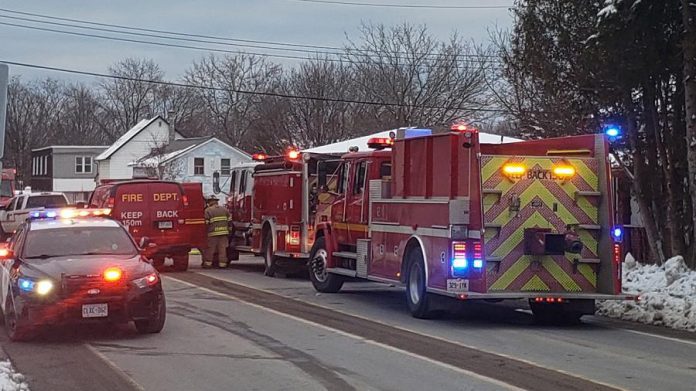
(73, 266)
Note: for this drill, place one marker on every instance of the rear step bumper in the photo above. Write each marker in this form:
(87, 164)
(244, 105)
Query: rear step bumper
(533, 295)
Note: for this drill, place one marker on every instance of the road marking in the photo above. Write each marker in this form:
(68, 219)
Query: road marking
(353, 336)
(660, 336)
(115, 367)
(457, 343)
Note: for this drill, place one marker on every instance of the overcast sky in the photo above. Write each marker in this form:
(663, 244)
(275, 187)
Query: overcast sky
(289, 21)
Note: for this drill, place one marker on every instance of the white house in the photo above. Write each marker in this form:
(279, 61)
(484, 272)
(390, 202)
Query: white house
(191, 160)
(139, 141)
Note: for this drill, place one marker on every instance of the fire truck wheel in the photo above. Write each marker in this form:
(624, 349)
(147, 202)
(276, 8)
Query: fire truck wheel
(322, 280)
(269, 259)
(181, 262)
(416, 295)
(158, 261)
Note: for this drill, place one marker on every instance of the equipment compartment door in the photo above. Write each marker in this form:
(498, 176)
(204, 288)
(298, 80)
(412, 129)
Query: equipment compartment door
(531, 195)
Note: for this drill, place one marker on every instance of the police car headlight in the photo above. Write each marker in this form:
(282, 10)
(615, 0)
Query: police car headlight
(41, 287)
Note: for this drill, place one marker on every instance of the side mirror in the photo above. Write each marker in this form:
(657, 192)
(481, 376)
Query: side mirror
(216, 182)
(144, 242)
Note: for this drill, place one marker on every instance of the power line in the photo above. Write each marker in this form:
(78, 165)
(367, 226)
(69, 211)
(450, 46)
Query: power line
(315, 52)
(246, 92)
(355, 3)
(213, 37)
(208, 49)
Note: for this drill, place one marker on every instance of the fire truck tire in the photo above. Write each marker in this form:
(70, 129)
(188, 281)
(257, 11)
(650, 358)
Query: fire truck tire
(269, 259)
(158, 261)
(181, 262)
(322, 280)
(416, 295)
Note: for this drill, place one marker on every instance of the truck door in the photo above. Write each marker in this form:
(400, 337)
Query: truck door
(339, 206)
(356, 210)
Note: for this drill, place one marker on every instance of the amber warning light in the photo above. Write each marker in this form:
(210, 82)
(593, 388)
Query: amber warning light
(259, 157)
(514, 170)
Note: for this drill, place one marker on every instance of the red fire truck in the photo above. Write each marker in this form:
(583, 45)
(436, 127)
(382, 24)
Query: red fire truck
(7, 186)
(274, 204)
(446, 215)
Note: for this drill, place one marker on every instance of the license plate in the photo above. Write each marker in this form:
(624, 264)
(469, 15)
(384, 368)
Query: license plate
(95, 310)
(166, 225)
(457, 285)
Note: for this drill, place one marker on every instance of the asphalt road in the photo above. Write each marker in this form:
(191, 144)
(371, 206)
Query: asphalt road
(236, 329)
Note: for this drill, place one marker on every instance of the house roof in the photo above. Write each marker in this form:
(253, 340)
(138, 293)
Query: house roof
(70, 147)
(361, 142)
(123, 140)
(180, 147)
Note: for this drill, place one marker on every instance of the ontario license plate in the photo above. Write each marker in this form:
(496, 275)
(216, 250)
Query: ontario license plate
(95, 310)
(457, 285)
(166, 225)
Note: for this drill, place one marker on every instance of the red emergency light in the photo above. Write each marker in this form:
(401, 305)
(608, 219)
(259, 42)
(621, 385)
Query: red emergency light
(259, 157)
(380, 142)
(463, 128)
(293, 154)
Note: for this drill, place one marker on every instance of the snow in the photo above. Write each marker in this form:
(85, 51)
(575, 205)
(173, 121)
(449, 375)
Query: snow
(11, 380)
(667, 295)
(157, 160)
(361, 142)
(608, 10)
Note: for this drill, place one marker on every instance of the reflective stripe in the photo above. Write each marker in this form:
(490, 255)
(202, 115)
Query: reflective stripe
(219, 218)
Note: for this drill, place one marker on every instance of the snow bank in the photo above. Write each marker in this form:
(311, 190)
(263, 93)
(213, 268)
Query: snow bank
(11, 380)
(667, 295)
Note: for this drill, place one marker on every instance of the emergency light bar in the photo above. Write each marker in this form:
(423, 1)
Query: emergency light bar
(380, 142)
(67, 213)
(259, 157)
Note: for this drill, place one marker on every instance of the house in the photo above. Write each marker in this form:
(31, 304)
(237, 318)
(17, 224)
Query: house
(139, 141)
(191, 160)
(69, 169)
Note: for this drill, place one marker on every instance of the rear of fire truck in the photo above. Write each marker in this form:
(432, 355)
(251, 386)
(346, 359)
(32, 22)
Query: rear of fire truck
(526, 220)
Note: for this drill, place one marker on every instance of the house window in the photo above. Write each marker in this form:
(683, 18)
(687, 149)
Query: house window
(198, 166)
(33, 166)
(225, 167)
(83, 164)
(45, 165)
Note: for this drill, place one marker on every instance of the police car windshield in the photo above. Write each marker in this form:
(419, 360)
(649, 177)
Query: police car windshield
(75, 241)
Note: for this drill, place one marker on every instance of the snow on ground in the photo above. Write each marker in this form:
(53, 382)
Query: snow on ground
(11, 380)
(667, 295)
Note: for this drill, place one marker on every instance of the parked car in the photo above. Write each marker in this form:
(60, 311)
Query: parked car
(17, 210)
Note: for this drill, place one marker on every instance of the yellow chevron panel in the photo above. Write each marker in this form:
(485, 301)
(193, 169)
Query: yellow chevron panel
(491, 167)
(588, 175)
(511, 274)
(586, 270)
(535, 220)
(559, 275)
(535, 284)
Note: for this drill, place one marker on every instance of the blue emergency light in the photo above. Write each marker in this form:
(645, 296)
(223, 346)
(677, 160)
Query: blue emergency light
(478, 263)
(412, 132)
(612, 131)
(617, 234)
(26, 284)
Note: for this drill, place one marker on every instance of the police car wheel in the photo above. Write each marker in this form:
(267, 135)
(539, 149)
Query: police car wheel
(268, 257)
(322, 280)
(156, 322)
(416, 294)
(15, 331)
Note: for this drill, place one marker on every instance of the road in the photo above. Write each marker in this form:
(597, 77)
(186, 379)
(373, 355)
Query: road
(236, 329)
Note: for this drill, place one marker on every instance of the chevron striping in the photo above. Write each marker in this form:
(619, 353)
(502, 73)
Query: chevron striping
(560, 275)
(492, 166)
(535, 284)
(511, 274)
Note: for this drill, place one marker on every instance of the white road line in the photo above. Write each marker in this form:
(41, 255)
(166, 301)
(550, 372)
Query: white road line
(356, 337)
(686, 341)
(115, 367)
(457, 343)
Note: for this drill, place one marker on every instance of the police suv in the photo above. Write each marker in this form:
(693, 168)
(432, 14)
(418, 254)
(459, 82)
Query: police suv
(75, 266)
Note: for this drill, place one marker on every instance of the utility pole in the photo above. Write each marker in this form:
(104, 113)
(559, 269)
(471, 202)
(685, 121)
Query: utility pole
(4, 79)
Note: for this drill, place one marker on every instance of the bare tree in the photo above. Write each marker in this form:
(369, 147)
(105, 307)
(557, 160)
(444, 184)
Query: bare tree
(231, 110)
(134, 95)
(419, 79)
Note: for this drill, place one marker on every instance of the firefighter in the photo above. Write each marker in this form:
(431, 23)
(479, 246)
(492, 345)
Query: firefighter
(216, 219)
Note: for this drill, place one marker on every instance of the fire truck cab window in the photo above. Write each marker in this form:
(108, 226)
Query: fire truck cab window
(342, 185)
(233, 181)
(359, 178)
(242, 182)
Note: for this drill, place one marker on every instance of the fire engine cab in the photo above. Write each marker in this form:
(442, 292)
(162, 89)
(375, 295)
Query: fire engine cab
(445, 215)
(273, 204)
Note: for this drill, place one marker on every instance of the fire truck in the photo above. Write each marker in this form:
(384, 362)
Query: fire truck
(445, 215)
(273, 203)
(7, 186)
